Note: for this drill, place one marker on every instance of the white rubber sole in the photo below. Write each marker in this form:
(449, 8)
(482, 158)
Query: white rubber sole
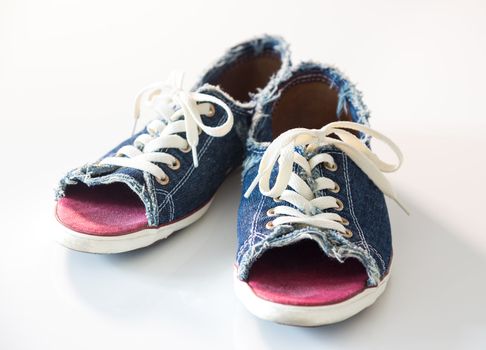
(308, 316)
(124, 243)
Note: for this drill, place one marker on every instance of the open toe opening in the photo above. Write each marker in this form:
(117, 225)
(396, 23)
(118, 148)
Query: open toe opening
(301, 274)
(104, 210)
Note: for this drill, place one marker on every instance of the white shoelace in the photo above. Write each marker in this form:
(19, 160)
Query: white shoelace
(282, 149)
(177, 111)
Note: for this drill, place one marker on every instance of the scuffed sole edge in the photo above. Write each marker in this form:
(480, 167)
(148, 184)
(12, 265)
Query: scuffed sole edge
(123, 243)
(307, 316)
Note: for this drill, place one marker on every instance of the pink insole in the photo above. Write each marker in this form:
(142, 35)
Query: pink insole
(105, 210)
(301, 274)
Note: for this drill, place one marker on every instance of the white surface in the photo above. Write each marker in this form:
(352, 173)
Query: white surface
(124, 243)
(68, 73)
(307, 316)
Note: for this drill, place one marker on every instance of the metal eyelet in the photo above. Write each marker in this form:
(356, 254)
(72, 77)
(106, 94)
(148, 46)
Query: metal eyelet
(270, 225)
(176, 165)
(186, 149)
(330, 166)
(347, 233)
(277, 200)
(271, 212)
(164, 181)
(212, 111)
(336, 188)
(344, 221)
(340, 205)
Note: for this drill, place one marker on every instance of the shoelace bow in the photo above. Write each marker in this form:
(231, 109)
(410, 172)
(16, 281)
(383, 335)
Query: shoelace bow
(300, 194)
(177, 111)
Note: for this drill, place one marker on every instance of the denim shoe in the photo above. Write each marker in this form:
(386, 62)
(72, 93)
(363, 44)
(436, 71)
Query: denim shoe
(164, 177)
(314, 240)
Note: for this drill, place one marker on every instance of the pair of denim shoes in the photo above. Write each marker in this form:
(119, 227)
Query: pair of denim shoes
(314, 240)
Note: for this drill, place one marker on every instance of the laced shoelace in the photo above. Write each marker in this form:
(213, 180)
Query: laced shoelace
(291, 188)
(176, 111)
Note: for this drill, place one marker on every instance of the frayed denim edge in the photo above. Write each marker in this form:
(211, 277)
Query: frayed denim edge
(348, 93)
(254, 153)
(270, 93)
(257, 44)
(283, 73)
(331, 242)
(83, 175)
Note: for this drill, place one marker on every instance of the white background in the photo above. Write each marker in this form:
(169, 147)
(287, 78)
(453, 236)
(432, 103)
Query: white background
(68, 73)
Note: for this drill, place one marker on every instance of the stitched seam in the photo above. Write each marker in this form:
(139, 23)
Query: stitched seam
(254, 233)
(350, 199)
(209, 140)
(189, 172)
(191, 168)
(315, 77)
(185, 177)
(379, 256)
(349, 195)
(170, 200)
(253, 224)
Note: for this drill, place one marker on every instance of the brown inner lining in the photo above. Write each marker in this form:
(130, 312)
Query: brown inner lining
(248, 74)
(306, 103)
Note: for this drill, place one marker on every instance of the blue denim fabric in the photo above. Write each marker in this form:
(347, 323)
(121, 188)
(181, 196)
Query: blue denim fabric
(364, 204)
(189, 188)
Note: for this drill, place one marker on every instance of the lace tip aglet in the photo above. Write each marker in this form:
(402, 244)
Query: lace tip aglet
(251, 188)
(195, 160)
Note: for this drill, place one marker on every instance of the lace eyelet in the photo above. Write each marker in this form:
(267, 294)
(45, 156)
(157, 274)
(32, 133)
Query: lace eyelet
(271, 212)
(336, 188)
(176, 165)
(340, 205)
(331, 166)
(344, 221)
(212, 111)
(270, 225)
(277, 200)
(186, 149)
(347, 233)
(164, 181)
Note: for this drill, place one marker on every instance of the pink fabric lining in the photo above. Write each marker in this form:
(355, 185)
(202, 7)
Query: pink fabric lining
(105, 210)
(301, 274)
